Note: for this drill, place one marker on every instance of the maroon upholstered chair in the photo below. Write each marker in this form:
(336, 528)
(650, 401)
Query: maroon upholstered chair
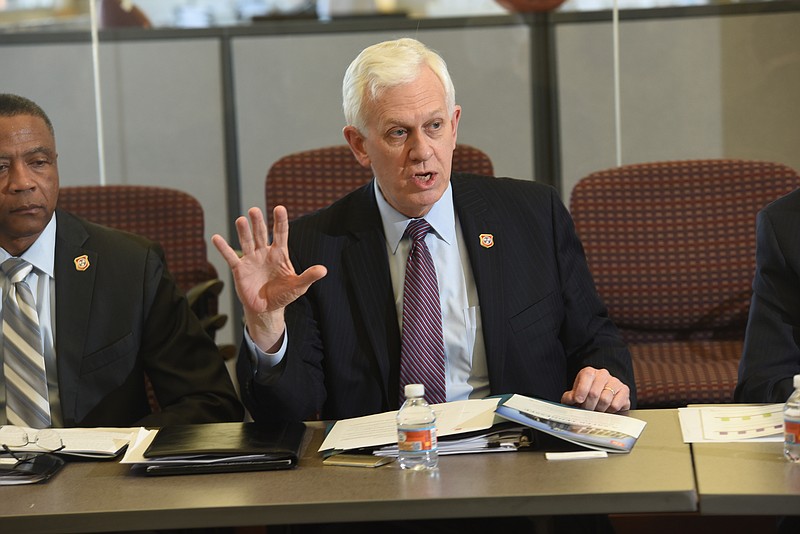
(307, 181)
(168, 216)
(671, 246)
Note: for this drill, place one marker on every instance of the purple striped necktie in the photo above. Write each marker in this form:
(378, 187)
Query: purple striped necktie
(422, 359)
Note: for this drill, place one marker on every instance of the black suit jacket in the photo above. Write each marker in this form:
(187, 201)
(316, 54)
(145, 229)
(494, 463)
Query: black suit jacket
(123, 317)
(771, 355)
(542, 319)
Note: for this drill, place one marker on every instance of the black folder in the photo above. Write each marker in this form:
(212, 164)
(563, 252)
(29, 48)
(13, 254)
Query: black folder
(224, 448)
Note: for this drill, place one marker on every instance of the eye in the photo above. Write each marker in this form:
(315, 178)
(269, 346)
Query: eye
(39, 162)
(397, 132)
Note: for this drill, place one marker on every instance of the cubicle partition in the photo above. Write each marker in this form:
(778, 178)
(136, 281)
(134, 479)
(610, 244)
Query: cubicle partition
(209, 110)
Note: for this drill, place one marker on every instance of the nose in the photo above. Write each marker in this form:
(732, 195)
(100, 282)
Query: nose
(19, 178)
(421, 149)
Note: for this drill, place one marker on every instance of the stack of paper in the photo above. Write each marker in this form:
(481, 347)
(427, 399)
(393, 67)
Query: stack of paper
(373, 431)
(501, 440)
(482, 419)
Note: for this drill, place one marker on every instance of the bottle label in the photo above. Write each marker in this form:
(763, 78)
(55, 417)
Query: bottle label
(791, 431)
(418, 440)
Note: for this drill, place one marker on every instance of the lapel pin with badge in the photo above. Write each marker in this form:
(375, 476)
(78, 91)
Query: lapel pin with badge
(487, 240)
(81, 263)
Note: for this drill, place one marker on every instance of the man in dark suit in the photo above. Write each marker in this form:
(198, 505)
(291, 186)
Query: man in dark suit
(771, 355)
(109, 311)
(520, 313)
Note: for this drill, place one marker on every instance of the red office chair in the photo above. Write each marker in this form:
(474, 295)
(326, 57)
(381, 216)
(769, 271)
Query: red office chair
(671, 246)
(168, 216)
(307, 181)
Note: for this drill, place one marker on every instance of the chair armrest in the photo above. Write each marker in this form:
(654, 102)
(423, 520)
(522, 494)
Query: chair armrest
(212, 288)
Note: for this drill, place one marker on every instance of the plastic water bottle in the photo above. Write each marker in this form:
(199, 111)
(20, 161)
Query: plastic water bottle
(417, 447)
(791, 424)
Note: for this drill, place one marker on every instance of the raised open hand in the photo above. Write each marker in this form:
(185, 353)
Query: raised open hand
(265, 279)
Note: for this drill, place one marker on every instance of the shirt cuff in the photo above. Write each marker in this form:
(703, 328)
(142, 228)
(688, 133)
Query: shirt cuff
(265, 363)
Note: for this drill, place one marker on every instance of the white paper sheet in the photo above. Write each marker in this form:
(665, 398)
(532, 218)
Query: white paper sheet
(381, 429)
(720, 423)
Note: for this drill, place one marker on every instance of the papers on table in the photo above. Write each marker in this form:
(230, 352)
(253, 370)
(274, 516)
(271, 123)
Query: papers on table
(381, 429)
(495, 440)
(731, 422)
(87, 442)
(480, 420)
(135, 452)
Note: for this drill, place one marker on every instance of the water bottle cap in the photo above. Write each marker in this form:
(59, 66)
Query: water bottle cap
(414, 390)
(796, 381)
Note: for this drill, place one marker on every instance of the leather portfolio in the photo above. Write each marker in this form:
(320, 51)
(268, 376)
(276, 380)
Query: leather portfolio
(224, 447)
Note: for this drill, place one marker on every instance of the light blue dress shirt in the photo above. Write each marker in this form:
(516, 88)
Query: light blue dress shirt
(41, 280)
(466, 373)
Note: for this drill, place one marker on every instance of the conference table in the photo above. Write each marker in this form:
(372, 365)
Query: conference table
(91, 496)
(746, 479)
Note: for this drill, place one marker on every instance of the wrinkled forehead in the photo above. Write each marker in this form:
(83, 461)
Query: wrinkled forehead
(25, 132)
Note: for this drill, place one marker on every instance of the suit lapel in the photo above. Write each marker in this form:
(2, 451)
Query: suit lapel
(74, 276)
(476, 219)
(367, 268)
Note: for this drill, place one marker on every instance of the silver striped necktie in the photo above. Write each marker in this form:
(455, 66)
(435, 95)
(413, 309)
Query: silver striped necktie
(27, 401)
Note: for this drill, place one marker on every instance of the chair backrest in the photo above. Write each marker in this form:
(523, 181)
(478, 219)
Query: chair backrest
(307, 181)
(172, 218)
(671, 245)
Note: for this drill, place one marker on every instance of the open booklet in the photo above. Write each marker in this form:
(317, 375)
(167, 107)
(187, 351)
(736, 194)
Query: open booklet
(484, 425)
(593, 430)
(85, 442)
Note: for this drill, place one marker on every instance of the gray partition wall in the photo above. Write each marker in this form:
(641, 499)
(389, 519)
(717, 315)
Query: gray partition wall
(208, 111)
(288, 94)
(690, 87)
(162, 117)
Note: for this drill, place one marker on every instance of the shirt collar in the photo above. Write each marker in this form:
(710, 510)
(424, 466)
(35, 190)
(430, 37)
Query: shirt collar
(441, 217)
(42, 253)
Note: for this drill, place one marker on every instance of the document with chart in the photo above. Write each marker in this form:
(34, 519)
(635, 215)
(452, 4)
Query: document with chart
(731, 422)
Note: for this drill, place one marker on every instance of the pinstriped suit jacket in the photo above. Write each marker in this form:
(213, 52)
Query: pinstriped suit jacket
(542, 319)
(771, 355)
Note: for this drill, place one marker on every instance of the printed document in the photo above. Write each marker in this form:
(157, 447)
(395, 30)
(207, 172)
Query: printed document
(381, 429)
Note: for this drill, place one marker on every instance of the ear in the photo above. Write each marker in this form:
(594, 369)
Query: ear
(357, 142)
(454, 123)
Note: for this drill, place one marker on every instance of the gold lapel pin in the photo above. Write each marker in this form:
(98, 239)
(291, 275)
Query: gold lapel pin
(81, 263)
(487, 240)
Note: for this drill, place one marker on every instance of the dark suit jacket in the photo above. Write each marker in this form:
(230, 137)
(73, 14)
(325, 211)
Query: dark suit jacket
(542, 319)
(124, 317)
(771, 355)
